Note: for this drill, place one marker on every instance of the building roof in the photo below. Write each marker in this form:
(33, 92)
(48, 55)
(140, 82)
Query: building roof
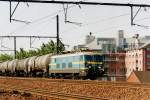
(146, 44)
(142, 76)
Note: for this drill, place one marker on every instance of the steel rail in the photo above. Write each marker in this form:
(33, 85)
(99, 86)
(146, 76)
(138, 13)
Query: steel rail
(86, 82)
(46, 93)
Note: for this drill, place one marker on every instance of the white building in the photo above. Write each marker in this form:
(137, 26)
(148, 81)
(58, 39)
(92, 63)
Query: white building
(106, 45)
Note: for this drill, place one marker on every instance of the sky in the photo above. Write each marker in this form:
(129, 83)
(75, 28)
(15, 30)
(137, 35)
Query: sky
(102, 21)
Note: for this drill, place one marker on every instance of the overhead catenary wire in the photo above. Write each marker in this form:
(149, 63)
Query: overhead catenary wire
(108, 19)
(126, 24)
(52, 15)
(96, 22)
(79, 2)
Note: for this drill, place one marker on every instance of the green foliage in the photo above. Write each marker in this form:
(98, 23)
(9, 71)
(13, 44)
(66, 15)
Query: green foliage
(50, 47)
(5, 57)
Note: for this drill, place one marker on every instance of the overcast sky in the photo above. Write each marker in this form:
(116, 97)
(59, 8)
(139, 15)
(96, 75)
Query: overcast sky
(102, 21)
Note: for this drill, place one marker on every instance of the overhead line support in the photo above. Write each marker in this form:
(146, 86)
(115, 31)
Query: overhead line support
(81, 3)
(15, 39)
(57, 26)
(29, 36)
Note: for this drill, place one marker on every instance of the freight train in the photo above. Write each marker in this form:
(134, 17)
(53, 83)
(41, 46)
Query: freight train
(87, 65)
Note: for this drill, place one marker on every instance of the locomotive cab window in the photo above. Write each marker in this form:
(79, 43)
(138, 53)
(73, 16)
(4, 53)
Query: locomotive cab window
(70, 65)
(58, 66)
(81, 58)
(63, 65)
(88, 58)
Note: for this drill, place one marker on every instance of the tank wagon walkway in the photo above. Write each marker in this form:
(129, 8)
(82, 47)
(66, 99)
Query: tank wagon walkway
(76, 89)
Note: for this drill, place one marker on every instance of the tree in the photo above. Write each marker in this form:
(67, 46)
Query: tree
(5, 57)
(50, 47)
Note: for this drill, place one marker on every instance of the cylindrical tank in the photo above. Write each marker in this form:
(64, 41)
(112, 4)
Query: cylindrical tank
(42, 62)
(22, 65)
(4, 66)
(31, 63)
(0, 67)
(12, 65)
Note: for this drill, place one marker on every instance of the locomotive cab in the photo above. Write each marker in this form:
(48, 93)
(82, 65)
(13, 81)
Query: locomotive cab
(85, 65)
(94, 66)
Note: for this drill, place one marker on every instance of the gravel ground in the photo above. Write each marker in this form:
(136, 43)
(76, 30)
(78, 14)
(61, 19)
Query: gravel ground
(15, 95)
(111, 92)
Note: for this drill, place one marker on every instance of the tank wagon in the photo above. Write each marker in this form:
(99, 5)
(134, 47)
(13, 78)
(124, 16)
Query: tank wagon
(42, 65)
(4, 68)
(22, 66)
(11, 67)
(85, 65)
(33, 66)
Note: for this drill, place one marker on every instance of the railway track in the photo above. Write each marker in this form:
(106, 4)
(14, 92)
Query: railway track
(64, 89)
(91, 82)
(49, 94)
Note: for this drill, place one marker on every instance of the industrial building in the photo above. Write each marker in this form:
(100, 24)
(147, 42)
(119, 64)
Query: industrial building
(104, 45)
(114, 66)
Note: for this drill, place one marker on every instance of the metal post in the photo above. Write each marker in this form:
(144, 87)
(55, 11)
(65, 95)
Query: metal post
(15, 47)
(10, 10)
(57, 33)
(30, 42)
(131, 15)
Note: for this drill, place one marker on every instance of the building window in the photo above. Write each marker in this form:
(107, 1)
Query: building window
(148, 56)
(113, 71)
(148, 62)
(133, 56)
(136, 55)
(148, 49)
(136, 61)
(122, 70)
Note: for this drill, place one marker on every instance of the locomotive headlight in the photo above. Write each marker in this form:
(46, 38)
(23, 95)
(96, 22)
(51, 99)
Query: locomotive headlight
(90, 67)
(99, 67)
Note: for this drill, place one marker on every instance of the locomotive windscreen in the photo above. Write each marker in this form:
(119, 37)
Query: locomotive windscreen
(96, 58)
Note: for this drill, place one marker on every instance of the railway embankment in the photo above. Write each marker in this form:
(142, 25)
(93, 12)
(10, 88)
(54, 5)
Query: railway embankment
(76, 89)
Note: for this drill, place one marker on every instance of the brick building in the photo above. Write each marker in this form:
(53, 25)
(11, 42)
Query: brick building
(114, 66)
(138, 59)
